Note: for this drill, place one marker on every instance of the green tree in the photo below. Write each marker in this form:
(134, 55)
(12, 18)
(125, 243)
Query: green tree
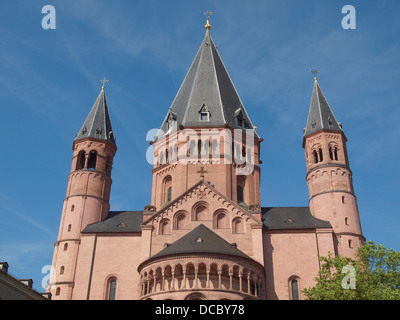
(373, 275)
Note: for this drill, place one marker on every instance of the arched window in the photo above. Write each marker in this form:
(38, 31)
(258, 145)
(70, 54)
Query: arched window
(294, 287)
(317, 154)
(92, 160)
(80, 164)
(167, 189)
(238, 225)
(58, 291)
(62, 269)
(201, 212)
(165, 227)
(181, 221)
(333, 154)
(65, 246)
(69, 228)
(221, 220)
(111, 288)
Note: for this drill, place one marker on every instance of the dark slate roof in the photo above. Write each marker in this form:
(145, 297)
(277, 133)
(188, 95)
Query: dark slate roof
(201, 240)
(279, 218)
(206, 85)
(320, 115)
(98, 124)
(119, 222)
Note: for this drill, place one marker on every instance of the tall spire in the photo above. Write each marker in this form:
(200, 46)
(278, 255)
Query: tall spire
(207, 96)
(98, 124)
(320, 115)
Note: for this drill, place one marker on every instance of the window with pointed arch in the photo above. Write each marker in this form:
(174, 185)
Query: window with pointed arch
(294, 288)
(111, 288)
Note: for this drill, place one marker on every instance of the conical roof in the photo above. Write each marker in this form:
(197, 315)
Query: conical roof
(320, 115)
(207, 96)
(97, 124)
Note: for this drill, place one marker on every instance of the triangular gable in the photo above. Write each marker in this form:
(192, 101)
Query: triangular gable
(199, 190)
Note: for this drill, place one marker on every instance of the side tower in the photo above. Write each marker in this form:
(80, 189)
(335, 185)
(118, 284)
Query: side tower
(329, 177)
(88, 193)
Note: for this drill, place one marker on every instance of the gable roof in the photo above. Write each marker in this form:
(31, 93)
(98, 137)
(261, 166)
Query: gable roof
(320, 115)
(207, 84)
(280, 218)
(200, 240)
(117, 221)
(201, 182)
(97, 124)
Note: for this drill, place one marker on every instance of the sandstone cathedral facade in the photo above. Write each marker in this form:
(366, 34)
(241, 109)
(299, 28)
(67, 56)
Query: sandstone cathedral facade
(205, 234)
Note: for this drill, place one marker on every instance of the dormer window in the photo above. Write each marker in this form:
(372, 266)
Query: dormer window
(204, 113)
(240, 121)
(171, 120)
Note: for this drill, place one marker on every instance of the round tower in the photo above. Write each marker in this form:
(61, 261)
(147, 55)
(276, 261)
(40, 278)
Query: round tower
(88, 194)
(329, 177)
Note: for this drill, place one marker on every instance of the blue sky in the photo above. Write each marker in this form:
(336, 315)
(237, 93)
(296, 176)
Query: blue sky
(49, 80)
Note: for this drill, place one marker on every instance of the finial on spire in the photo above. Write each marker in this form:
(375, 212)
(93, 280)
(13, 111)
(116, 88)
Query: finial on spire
(208, 25)
(104, 81)
(315, 72)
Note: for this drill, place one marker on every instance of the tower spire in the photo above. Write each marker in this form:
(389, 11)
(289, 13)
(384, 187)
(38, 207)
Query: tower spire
(320, 115)
(98, 124)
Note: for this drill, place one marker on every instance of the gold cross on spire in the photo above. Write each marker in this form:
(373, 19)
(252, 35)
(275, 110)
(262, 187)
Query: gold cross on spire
(202, 172)
(104, 81)
(208, 25)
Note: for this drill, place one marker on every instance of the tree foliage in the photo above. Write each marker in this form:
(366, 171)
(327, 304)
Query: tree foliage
(373, 275)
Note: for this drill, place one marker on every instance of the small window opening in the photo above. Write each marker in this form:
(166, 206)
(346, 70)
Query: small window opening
(92, 160)
(321, 158)
(315, 156)
(112, 289)
(295, 289)
(81, 161)
(240, 194)
(169, 193)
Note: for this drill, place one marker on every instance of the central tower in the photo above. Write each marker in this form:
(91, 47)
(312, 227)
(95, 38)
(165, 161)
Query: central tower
(207, 134)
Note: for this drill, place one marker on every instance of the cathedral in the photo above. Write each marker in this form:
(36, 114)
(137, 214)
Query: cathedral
(205, 235)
